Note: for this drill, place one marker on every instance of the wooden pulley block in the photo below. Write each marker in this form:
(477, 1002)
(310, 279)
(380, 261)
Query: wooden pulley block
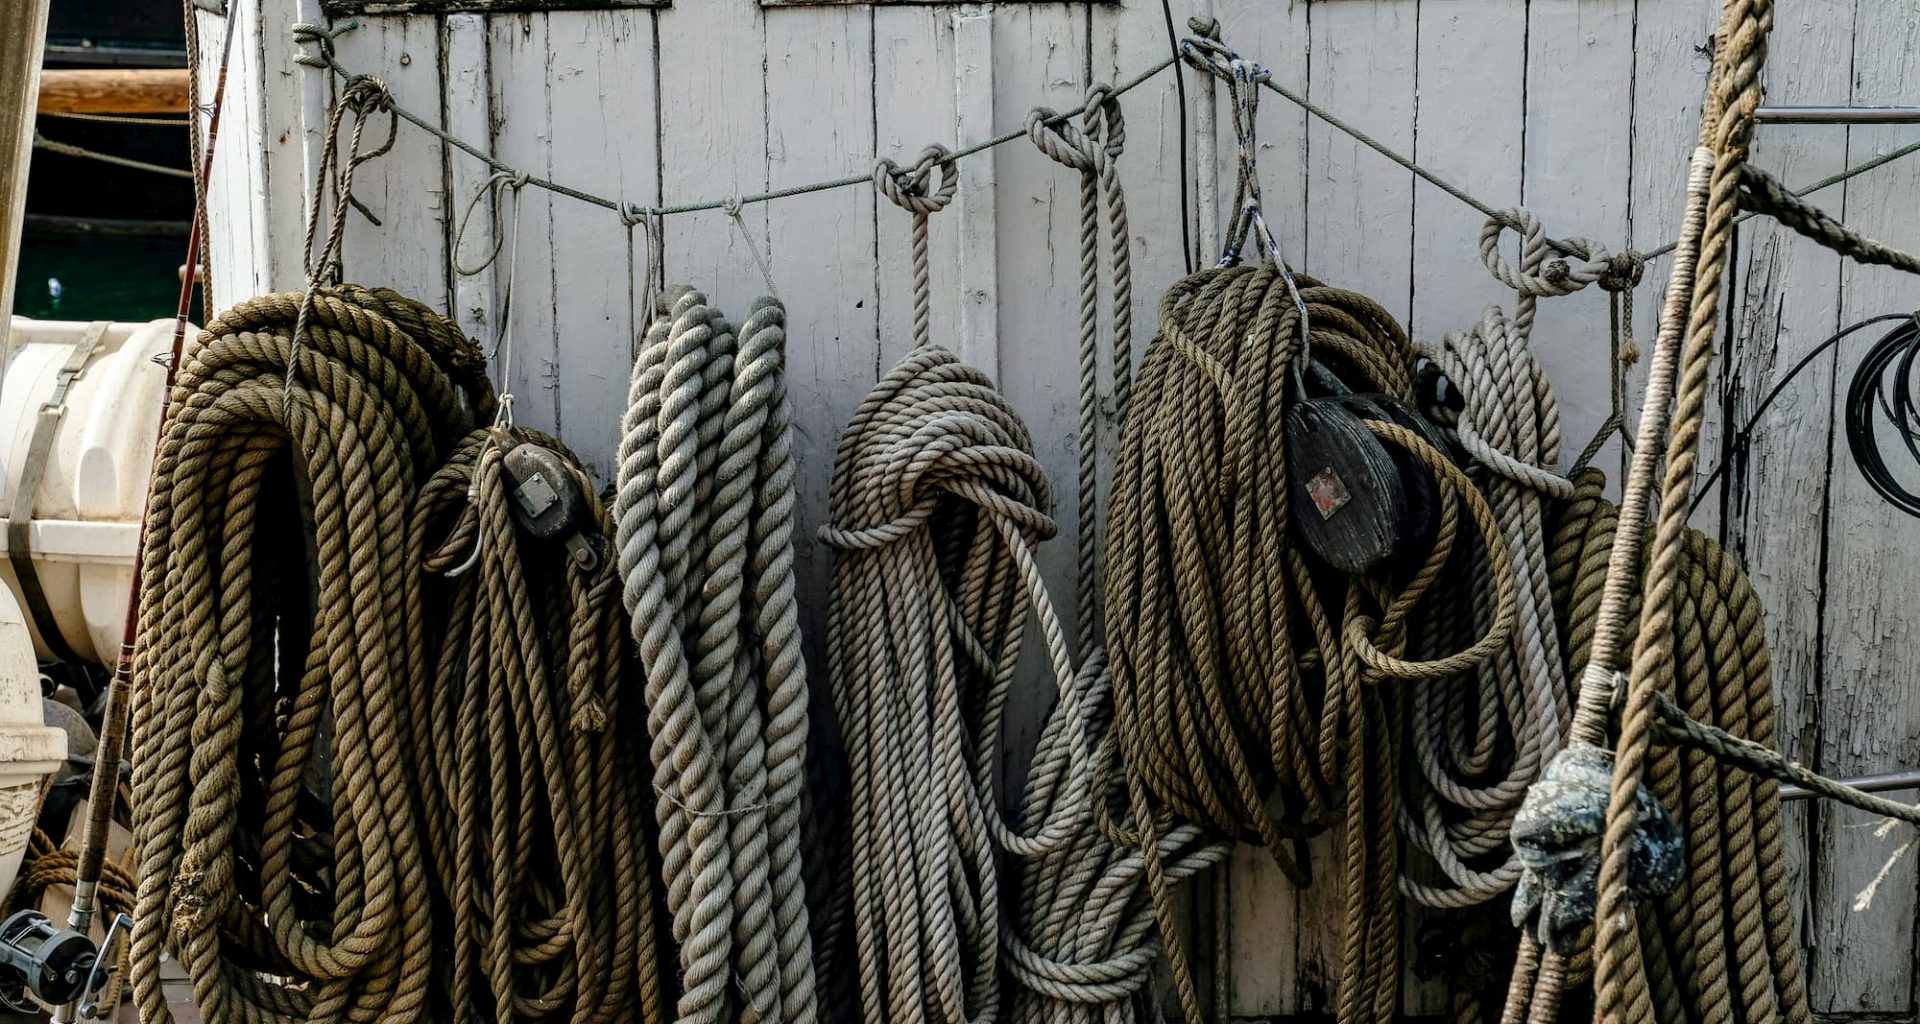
(1356, 500)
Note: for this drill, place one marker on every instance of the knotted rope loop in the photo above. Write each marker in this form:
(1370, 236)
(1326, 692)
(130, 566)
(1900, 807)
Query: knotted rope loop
(909, 187)
(497, 184)
(321, 38)
(1539, 273)
(1061, 141)
(912, 189)
(1103, 118)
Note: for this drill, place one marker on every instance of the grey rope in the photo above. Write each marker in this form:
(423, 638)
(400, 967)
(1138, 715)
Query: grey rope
(704, 508)
(68, 149)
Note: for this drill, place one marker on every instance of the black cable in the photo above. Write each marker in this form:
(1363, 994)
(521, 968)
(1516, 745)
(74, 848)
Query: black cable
(1896, 403)
(1902, 343)
(1186, 175)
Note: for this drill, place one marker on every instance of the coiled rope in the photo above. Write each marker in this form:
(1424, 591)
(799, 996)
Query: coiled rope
(288, 890)
(1482, 739)
(1720, 947)
(1243, 670)
(704, 512)
(525, 738)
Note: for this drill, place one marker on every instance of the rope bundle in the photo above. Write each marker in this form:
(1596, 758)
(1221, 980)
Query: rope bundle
(289, 891)
(1242, 670)
(705, 508)
(1719, 948)
(525, 737)
(1480, 740)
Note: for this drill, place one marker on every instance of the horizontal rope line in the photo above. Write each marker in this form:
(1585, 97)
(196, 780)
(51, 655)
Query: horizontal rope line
(68, 149)
(1332, 120)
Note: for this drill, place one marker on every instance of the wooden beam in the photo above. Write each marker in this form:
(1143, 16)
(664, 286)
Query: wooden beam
(23, 31)
(114, 91)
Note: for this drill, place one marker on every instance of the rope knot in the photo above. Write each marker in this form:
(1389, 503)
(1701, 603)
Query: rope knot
(1622, 273)
(934, 431)
(1060, 140)
(1103, 120)
(910, 188)
(1538, 274)
(1557, 836)
(368, 93)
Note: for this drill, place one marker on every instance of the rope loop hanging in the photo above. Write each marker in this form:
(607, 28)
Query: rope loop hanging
(914, 190)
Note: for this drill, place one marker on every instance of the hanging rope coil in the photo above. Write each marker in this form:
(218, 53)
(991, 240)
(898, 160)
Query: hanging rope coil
(704, 507)
(1721, 943)
(1082, 945)
(525, 733)
(1481, 740)
(1242, 670)
(287, 891)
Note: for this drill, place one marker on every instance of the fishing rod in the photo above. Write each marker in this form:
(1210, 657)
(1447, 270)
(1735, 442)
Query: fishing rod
(113, 726)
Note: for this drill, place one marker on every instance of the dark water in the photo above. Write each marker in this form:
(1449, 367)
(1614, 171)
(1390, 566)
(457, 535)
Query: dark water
(104, 277)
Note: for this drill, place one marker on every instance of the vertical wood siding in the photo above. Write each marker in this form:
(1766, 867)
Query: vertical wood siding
(1585, 110)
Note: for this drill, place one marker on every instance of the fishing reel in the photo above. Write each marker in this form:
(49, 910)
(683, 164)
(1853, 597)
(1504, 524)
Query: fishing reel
(42, 965)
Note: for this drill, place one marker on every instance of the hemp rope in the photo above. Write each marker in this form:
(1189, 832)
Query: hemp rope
(287, 891)
(526, 753)
(1082, 944)
(1733, 94)
(705, 507)
(1722, 944)
(1461, 810)
(1221, 700)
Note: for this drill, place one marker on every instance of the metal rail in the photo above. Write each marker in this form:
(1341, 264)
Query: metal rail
(1881, 783)
(1837, 115)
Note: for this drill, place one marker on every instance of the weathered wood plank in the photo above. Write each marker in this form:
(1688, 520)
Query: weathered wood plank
(604, 120)
(1785, 304)
(820, 91)
(1872, 636)
(975, 200)
(406, 188)
(351, 8)
(466, 69)
(1670, 64)
(113, 91)
(913, 104)
(1470, 129)
(1578, 140)
(713, 127)
(524, 347)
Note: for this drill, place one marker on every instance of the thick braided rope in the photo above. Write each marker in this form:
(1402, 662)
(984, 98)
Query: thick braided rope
(1722, 944)
(704, 511)
(1734, 92)
(526, 696)
(238, 667)
(1222, 643)
(1510, 424)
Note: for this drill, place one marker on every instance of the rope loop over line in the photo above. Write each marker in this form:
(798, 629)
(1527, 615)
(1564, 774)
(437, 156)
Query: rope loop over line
(913, 189)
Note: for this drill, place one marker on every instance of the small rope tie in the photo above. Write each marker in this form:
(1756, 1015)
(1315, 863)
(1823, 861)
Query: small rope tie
(733, 212)
(912, 189)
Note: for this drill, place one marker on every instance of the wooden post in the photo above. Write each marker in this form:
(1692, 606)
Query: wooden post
(23, 34)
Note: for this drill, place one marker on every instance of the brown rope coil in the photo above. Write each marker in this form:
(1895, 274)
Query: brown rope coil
(334, 784)
(1242, 669)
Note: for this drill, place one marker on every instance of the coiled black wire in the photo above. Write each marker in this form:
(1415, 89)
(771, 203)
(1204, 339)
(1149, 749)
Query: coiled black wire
(1875, 396)
(1896, 406)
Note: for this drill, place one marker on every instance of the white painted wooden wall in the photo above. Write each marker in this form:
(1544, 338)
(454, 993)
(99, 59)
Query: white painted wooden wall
(1584, 110)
